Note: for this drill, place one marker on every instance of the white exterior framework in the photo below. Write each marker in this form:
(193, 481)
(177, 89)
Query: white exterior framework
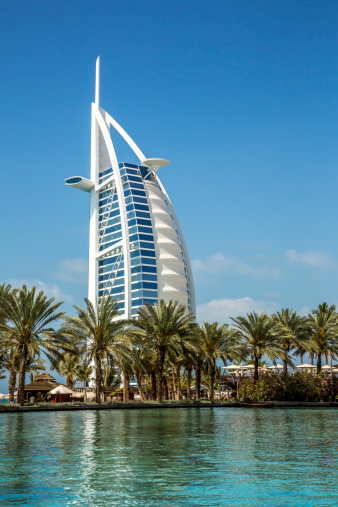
(137, 251)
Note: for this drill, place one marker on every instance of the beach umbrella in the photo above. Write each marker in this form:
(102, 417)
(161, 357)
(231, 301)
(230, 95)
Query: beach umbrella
(307, 367)
(61, 390)
(326, 367)
(232, 367)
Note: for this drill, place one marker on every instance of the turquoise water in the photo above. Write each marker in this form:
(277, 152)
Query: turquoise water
(195, 457)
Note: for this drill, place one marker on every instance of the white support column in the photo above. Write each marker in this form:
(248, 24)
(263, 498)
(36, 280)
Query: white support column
(93, 212)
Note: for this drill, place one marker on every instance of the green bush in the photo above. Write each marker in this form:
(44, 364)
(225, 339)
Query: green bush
(286, 387)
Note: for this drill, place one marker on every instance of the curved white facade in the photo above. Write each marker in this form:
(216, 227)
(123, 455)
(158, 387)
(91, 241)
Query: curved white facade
(137, 251)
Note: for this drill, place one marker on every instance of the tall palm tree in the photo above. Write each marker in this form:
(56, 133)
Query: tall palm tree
(259, 338)
(144, 366)
(198, 366)
(65, 363)
(190, 351)
(5, 290)
(159, 326)
(27, 330)
(294, 332)
(170, 365)
(324, 335)
(10, 361)
(97, 330)
(84, 372)
(217, 342)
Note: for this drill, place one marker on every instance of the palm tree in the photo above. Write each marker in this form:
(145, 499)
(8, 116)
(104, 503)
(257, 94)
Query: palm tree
(259, 337)
(190, 351)
(5, 290)
(324, 335)
(324, 308)
(145, 365)
(84, 372)
(159, 326)
(65, 364)
(294, 332)
(34, 367)
(98, 330)
(170, 365)
(10, 361)
(27, 330)
(198, 365)
(300, 351)
(217, 342)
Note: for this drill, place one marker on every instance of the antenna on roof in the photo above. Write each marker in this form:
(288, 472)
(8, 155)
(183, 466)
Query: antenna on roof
(97, 82)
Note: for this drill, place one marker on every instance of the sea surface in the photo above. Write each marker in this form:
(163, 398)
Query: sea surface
(170, 457)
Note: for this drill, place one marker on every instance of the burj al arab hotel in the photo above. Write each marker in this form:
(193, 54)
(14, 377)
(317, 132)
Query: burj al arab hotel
(137, 252)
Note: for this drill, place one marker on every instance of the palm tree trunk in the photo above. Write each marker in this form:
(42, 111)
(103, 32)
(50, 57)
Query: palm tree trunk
(165, 388)
(319, 363)
(211, 369)
(285, 366)
(174, 381)
(255, 368)
(178, 376)
(198, 382)
(153, 385)
(11, 385)
(21, 393)
(189, 382)
(301, 357)
(139, 385)
(159, 365)
(84, 391)
(98, 380)
(126, 379)
(311, 358)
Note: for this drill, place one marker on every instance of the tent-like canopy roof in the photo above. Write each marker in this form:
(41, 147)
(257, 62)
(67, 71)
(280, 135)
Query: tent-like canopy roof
(60, 389)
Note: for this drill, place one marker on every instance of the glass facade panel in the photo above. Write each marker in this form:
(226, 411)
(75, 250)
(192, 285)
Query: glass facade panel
(143, 271)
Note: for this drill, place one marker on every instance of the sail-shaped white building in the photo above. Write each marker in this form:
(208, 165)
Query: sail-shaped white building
(137, 252)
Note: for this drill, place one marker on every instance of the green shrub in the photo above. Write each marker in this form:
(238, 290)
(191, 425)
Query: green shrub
(286, 387)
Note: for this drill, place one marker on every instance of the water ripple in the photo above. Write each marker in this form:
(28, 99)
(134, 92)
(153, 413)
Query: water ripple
(208, 457)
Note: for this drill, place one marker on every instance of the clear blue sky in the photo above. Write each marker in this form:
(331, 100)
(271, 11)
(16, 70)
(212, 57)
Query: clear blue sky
(240, 96)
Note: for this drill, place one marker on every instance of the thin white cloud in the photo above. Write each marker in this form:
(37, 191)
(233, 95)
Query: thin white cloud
(217, 264)
(221, 310)
(312, 258)
(50, 289)
(73, 270)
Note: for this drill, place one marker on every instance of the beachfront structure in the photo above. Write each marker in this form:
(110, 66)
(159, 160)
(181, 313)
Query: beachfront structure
(137, 252)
